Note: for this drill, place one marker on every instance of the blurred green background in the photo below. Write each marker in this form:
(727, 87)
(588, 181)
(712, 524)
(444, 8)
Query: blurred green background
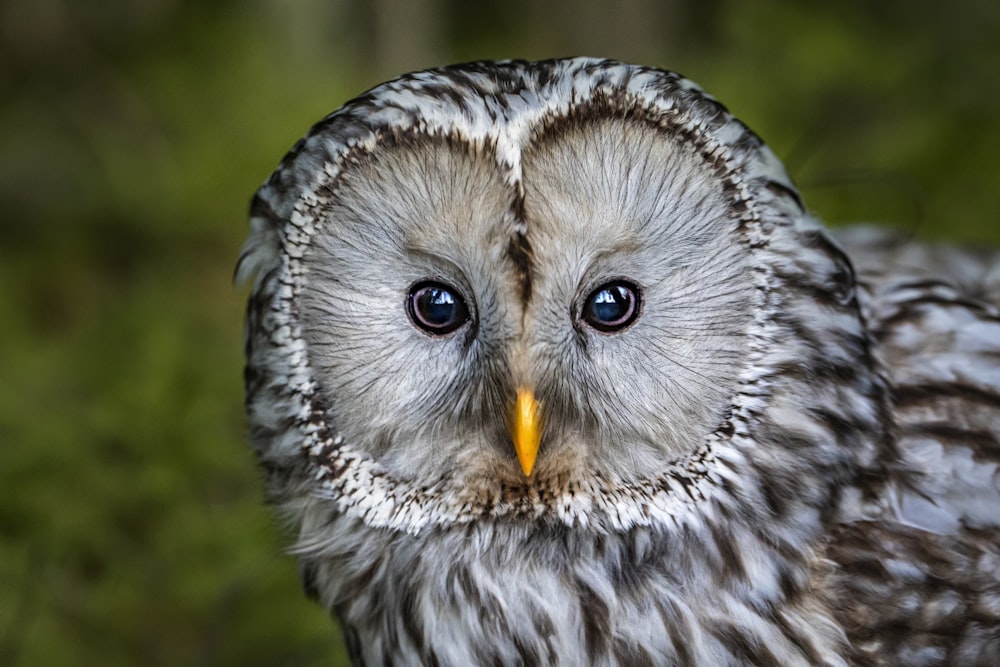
(132, 134)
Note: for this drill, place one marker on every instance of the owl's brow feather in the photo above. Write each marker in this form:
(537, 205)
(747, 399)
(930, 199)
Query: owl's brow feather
(699, 279)
(708, 272)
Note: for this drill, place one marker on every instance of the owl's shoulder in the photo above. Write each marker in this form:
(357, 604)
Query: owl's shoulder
(925, 299)
(919, 579)
(933, 316)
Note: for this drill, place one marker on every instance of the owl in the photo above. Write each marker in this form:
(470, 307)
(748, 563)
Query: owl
(547, 364)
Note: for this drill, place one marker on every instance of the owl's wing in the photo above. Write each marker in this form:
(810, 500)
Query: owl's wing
(920, 583)
(934, 315)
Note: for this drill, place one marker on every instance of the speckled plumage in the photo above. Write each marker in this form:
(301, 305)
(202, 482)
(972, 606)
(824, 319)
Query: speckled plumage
(790, 458)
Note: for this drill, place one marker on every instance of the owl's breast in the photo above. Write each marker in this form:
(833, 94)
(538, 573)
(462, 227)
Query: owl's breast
(512, 593)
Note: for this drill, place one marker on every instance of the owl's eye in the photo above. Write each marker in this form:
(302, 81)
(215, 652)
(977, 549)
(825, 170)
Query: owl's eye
(612, 306)
(436, 308)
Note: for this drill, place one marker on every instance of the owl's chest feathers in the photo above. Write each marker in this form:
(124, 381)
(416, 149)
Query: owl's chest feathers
(511, 594)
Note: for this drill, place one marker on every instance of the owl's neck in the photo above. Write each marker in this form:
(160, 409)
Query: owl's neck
(515, 591)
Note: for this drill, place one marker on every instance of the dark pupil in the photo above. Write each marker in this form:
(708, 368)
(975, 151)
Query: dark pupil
(611, 307)
(437, 306)
(611, 304)
(437, 309)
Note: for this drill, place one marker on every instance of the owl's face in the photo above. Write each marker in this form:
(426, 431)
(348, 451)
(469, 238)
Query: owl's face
(556, 283)
(609, 282)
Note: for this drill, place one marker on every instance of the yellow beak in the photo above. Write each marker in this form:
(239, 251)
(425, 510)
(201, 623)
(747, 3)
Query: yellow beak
(526, 429)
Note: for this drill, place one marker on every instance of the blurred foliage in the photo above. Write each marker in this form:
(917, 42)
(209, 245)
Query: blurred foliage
(133, 133)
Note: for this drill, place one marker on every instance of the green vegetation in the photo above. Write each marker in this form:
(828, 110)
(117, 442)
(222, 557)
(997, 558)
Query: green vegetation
(132, 529)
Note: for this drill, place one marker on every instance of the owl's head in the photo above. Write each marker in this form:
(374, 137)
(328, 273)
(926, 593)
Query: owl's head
(526, 289)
